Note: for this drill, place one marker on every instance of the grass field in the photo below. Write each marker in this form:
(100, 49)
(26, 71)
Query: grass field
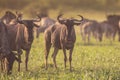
(96, 61)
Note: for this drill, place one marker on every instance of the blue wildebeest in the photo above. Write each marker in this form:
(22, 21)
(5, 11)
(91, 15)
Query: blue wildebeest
(21, 37)
(62, 36)
(114, 20)
(89, 27)
(7, 57)
(44, 24)
(108, 30)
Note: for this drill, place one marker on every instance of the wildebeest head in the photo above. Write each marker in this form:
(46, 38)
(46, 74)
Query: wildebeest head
(69, 23)
(8, 16)
(8, 61)
(29, 24)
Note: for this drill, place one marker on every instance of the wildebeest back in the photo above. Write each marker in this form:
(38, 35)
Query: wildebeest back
(17, 36)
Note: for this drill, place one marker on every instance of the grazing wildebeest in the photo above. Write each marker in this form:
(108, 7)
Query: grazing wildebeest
(114, 20)
(62, 36)
(7, 57)
(21, 37)
(107, 29)
(90, 27)
(44, 24)
(8, 61)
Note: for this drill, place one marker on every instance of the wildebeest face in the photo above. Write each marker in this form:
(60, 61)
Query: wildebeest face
(9, 60)
(69, 24)
(29, 24)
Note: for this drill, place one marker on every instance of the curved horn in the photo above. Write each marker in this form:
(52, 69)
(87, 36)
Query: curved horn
(60, 21)
(78, 22)
(60, 15)
(81, 18)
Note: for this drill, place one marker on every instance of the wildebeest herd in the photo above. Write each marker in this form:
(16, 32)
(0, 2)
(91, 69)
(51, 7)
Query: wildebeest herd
(17, 34)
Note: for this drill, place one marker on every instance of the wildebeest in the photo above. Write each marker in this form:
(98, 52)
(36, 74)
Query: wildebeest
(7, 57)
(107, 29)
(44, 24)
(89, 27)
(62, 36)
(114, 20)
(21, 37)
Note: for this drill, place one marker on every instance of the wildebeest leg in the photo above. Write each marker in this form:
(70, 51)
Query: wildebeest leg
(89, 38)
(19, 57)
(114, 36)
(26, 59)
(1, 65)
(82, 35)
(6, 65)
(47, 49)
(65, 57)
(37, 33)
(54, 56)
(70, 58)
(84, 38)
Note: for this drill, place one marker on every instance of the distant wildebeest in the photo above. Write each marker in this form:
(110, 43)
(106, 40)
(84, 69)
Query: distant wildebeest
(114, 20)
(107, 29)
(89, 27)
(62, 36)
(7, 57)
(44, 24)
(21, 37)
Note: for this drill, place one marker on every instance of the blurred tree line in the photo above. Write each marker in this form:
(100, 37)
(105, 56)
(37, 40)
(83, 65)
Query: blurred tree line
(35, 5)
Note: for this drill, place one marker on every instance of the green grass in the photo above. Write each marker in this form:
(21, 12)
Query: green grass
(95, 61)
